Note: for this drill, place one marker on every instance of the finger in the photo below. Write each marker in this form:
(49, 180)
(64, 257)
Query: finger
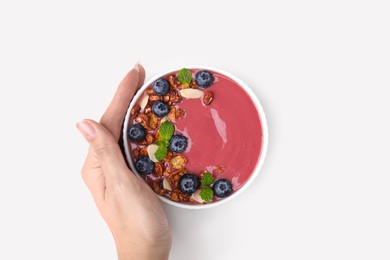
(113, 118)
(93, 177)
(142, 75)
(91, 171)
(105, 149)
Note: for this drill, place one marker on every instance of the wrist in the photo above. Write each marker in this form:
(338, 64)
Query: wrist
(128, 250)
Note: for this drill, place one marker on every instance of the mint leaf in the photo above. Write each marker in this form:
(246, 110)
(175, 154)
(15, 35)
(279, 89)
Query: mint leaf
(184, 77)
(161, 152)
(162, 142)
(206, 194)
(166, 131)
(207, 179)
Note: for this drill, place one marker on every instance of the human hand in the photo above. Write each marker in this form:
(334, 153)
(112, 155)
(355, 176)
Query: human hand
(130, 208)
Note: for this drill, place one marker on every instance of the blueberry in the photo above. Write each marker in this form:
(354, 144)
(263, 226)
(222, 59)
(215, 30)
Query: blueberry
(222, 188)
(204, 79)
(144, 165)
(161, 87)
(188, 183)
(136, 133)
(160, 109)
(178, 143)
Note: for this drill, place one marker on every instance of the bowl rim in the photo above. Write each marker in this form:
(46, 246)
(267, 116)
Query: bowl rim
(263, 121)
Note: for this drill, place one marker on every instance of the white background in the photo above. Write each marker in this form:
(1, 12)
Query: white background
(320, 69)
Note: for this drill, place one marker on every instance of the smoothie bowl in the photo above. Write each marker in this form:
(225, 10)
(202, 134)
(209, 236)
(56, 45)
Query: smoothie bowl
(197, 135)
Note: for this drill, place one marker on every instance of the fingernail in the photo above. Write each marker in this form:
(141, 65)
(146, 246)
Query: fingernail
(136, 67)
(86, 129)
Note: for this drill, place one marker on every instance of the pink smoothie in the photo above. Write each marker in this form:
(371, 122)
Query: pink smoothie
(226, 133)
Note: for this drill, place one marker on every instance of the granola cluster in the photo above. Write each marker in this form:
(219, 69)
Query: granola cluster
(167, 172)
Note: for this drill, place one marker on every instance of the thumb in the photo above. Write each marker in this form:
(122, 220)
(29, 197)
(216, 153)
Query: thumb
(105, 149)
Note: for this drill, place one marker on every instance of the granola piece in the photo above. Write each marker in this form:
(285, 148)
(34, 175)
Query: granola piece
(148, 110)
(178, 162)
(184, 197)
(219, 169)
(150, 138)
(143, 142)
(172, 113)
(143, 151)
(208, 98)
(154, 97)
(136, 152)
(151, 122)
(174, 97)
(180, 113)
(149, 91)
(135, 110)
(142, 118)
(166, 98)
(158, 187)
(174, 177)
(173, 81)
(168, 157)
(193, 84)
(167, 172)
(177, 196)
(158, 169)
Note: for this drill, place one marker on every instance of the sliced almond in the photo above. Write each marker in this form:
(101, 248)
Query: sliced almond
(191, 93)
(166, 184)
(163, 120)
(144, 101)
(196, 196)
(151, 152)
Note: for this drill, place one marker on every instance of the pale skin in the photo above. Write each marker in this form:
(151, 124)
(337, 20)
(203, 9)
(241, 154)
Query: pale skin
(130, 208)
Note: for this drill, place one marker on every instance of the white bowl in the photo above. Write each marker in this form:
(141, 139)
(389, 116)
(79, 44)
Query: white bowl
(263, 149)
